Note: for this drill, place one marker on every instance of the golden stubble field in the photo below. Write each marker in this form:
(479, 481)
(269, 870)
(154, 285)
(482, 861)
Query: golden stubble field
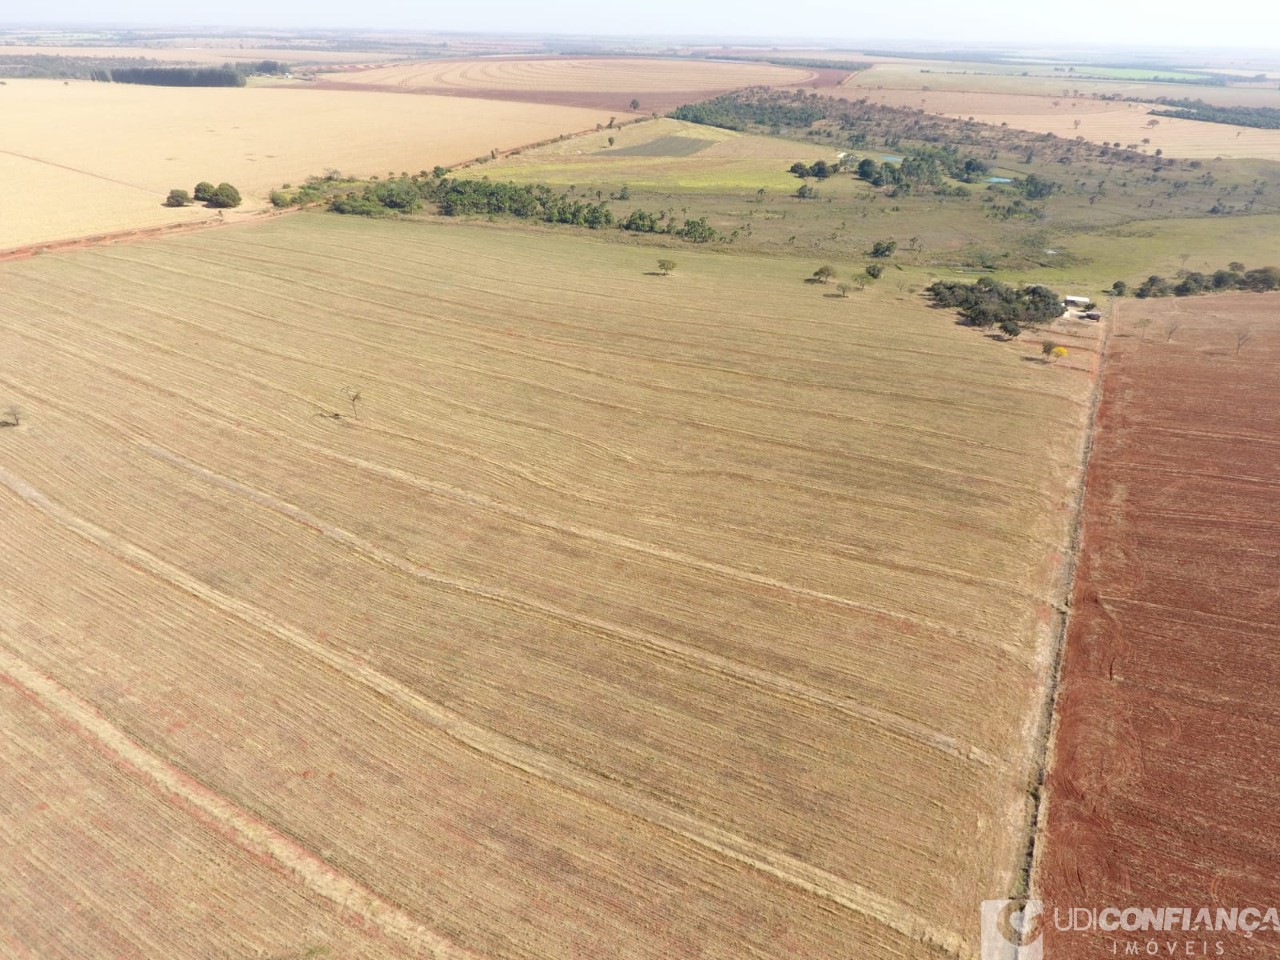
(614, 74)
(90, 158)
(620, 616)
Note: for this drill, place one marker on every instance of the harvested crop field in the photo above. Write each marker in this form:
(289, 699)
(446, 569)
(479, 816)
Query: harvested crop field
(148, 140)
(1161, 792)
(619, 616)
(609, 83)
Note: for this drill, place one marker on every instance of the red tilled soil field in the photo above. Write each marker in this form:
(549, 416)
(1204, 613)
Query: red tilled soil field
(1162, 790)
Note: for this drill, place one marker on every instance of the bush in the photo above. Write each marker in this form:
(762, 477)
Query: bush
(178, 198)
(225, 195)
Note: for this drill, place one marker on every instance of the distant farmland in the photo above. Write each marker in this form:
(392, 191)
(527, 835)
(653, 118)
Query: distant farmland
(477, 593)
(612, 82)
(148, 140)
(1161, 792)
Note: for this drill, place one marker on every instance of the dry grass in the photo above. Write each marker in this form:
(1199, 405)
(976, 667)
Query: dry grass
(96, 157)
(613, 75)
(636, 616)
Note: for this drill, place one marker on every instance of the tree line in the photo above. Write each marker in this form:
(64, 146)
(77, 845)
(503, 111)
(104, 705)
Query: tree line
(456, 197)
(227, 75)
(1263, 118)
(1191, 283)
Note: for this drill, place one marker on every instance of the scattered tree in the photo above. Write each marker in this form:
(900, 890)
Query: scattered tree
(807, 192)
(611, 141)
(203, 192)
(666, 266)
(875, 270)
(824, 273)
(844, 289)
(635, 104)
(1242, 337)
(1170, 329)
(1057, 353)
(884, 248)
(1119, 288)
(1142, 325)
(178, 198)
(353, 397)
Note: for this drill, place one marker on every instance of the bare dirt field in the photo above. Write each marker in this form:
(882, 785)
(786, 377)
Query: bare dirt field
(610, 83)
(619, 616)
(99, 157)
(1160, 792)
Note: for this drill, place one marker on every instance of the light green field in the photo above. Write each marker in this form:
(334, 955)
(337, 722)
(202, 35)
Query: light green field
(651, 156)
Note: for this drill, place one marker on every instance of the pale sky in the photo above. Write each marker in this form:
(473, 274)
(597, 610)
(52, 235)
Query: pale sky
(1129, 23)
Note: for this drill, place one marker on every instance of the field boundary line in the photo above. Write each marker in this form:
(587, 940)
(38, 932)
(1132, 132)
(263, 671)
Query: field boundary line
(246, 830)
(495, 747)
(1047, 726)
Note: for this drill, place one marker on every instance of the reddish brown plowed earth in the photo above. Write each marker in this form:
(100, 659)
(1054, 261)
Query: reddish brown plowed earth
(1163, 790)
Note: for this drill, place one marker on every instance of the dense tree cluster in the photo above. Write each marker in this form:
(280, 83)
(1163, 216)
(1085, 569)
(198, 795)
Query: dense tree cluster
(735, 112)
(1264, 118)
(988, 302)
(819, 168)
(1190, 283)
(175, 76)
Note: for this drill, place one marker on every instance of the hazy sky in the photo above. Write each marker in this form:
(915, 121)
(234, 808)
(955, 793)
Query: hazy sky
(1251, 23)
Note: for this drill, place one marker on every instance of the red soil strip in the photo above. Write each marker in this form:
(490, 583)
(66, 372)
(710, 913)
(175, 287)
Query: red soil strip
(1162, 791)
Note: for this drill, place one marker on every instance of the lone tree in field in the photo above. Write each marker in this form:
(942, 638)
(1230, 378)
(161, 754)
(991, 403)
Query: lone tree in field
(635, 104)
(666, 266)
(1057, 353)
(824, 273)
(178, 198)
(225, 195)
(1142, 325)
(1242, 337)
(203, 192)
(1170, 329)
(1048, 347)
